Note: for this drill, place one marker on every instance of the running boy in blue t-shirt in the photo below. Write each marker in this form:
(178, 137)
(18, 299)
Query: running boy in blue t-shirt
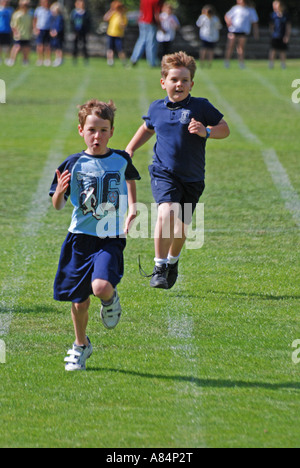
(101, 184)
(182, 125)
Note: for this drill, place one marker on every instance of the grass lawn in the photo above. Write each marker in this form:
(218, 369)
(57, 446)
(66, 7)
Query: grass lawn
(207, 364)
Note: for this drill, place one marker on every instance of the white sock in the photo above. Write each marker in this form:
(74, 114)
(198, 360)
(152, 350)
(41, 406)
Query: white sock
(160, 261)
(173, 260)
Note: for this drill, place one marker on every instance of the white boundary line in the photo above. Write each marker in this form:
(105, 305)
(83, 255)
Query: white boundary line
(180, 325)
(273, 90)
(276, 170)
(19, 81)
(181, 329)
(36, 215)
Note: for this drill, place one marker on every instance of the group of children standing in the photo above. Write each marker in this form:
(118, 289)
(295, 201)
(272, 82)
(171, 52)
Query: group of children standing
(47, 24)
(240, 21)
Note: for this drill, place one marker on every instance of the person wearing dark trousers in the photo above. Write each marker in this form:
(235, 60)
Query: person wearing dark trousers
(81, 25)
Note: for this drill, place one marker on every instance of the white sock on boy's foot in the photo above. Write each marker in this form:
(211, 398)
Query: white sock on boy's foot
(173, 260)
(160, 261)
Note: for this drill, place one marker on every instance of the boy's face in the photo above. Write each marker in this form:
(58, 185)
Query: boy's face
(178, 84)
(96, 134)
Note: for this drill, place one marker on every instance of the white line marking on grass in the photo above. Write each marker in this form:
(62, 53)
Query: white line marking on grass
(144, 103)
(36, 215)
(181, 334)
(19, 81)
(274, 166)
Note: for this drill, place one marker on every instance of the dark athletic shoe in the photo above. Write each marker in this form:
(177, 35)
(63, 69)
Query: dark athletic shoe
(159, 277)
(172, 274)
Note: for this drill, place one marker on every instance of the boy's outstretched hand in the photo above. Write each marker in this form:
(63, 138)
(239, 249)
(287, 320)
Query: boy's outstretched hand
(132, 214)
(197, 128)
(63, 181)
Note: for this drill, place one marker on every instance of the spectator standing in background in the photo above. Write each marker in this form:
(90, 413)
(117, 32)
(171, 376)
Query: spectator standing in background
(57, 33)
(117, 22)
(149, 23)
(210, 26)
(169, 25)
(41, 26)
(21, 24)
(240, 20)
(281, 29)
(81, 26)
(5, 29)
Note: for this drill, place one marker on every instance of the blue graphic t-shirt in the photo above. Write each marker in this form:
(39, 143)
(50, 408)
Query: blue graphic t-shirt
(98, 192)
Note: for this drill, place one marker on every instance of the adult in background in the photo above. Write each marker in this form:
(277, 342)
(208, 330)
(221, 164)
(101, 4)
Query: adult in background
(149, 23)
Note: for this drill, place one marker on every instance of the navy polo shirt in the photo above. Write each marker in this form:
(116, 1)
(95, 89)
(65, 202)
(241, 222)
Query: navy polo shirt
(176, 149)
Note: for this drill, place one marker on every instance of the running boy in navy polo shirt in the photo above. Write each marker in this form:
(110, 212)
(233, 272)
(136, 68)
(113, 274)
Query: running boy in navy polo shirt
(182, 125)
(101, 184)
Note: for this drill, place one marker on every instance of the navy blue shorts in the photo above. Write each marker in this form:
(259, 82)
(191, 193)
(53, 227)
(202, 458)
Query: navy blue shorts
(84, 259)
(115, 43)
(43, 37)
(208, 45)
(167, 188)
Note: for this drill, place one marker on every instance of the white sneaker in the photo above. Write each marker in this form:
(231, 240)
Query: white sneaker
(111, 314)
(57, 63)
(77, 357)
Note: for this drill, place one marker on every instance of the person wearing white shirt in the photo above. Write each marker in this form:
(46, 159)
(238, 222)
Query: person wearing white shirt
(240, 20)
(169, 25)
(210, 26)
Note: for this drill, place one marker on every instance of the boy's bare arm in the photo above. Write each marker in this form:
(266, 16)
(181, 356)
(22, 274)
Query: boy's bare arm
(140, 138)
(218, 132)
(131, 188)
(63, 181)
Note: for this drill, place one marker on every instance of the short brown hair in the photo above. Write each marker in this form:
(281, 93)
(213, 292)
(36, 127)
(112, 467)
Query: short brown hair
(178, 60)
(105, 111)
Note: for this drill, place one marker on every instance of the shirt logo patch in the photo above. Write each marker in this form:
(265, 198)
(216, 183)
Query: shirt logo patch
(185, 117)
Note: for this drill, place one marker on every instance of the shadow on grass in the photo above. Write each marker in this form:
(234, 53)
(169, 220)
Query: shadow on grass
(266, 297)
(202, 382)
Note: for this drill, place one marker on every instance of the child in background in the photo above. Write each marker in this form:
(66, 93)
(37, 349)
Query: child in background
(169, 24)
(5, 29)
(57, 33)
(117, 22)
(281, 28)
(210, 26)
(41, 26)
(21, 24)
(240, 19)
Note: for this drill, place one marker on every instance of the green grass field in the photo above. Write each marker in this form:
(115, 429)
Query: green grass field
(207, 364)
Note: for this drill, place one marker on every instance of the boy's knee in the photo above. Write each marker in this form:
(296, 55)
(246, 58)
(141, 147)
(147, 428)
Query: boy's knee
(102, 289)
